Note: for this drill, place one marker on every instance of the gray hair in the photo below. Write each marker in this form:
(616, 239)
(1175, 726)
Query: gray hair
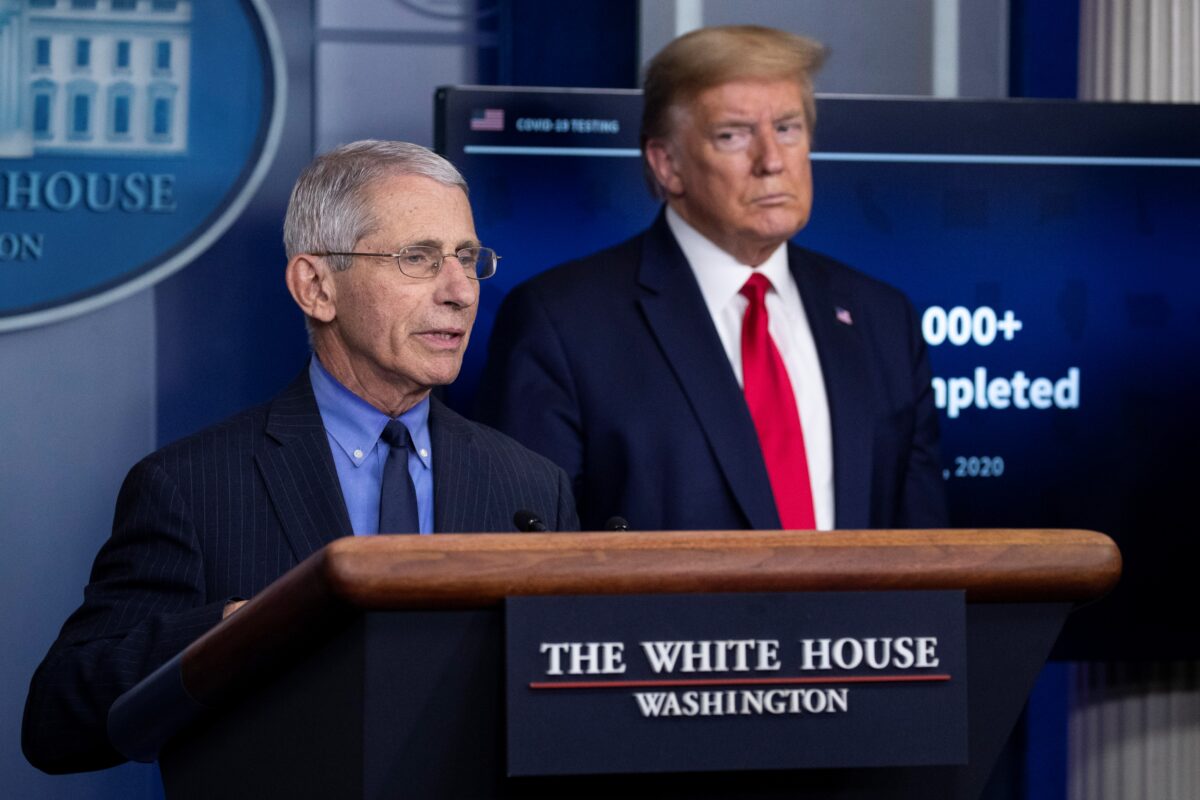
(328, 210)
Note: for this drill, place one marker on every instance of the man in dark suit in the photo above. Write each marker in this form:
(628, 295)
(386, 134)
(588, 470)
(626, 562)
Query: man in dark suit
(385, 264)
(707, 373)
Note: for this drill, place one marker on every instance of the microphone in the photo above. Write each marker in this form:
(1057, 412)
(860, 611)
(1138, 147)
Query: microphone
(528, 522)
(616, 524)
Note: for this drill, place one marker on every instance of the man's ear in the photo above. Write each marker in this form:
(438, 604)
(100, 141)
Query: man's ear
(310, 281)
(660, 154)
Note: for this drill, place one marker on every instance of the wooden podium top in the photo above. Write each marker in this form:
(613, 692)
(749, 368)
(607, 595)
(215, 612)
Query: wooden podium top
(479, 570)
(387, 572)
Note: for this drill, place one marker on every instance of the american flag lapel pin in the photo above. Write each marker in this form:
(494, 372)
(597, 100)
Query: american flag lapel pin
(843, 315)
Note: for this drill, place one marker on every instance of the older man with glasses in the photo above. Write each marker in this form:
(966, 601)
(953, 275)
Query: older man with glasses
(384, 262)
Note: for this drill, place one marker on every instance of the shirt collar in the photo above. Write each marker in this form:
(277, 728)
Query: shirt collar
(719, 274)
(354, 424)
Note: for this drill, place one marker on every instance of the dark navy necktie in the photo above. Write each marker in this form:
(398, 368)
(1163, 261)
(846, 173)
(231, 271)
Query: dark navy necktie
(398, 498)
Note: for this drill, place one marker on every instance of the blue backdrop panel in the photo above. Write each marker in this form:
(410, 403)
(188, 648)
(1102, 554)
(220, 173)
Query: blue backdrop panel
(89, 393)
(1047, 246)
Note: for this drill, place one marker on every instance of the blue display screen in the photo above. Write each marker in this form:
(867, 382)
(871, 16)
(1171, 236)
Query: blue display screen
(1051, 249)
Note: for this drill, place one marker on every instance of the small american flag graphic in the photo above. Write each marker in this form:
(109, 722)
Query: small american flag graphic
(487, 119)
(843, 316)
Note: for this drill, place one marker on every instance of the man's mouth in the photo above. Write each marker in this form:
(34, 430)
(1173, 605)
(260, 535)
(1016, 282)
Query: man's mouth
(447, 338)
(775, 199)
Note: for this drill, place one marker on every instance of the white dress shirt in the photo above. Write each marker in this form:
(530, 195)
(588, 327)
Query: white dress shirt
(721, 279)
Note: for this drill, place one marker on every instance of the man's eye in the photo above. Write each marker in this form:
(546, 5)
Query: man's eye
(789, 131)
(731, 139)
(416, 259)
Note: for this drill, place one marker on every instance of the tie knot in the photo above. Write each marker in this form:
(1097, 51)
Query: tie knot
(395, 434)
(756, 287)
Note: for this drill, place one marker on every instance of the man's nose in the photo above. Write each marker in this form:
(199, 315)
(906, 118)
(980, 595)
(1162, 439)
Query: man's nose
(453, 285)
(768, 154)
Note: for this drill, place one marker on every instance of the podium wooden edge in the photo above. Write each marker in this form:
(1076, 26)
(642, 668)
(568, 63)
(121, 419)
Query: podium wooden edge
(479, 570)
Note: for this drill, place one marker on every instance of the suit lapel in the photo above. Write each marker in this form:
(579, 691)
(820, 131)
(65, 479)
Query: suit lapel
(297, 468)
(840, 349)
(461, 474)
(679, 319)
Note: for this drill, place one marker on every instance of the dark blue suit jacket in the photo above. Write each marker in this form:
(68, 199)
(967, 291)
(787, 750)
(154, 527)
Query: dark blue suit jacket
(221, 515)
(611, 367)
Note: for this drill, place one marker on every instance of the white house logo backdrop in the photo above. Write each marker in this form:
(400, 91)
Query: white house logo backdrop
(132, 134)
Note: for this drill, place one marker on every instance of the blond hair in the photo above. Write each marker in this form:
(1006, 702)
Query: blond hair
(709, 57)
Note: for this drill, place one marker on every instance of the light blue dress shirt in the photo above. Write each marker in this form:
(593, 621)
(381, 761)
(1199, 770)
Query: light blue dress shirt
(352, 426)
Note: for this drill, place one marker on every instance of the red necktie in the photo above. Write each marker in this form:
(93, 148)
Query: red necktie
(773, 406)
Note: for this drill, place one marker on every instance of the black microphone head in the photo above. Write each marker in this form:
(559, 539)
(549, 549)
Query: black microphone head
(528, 522)
(616, 524)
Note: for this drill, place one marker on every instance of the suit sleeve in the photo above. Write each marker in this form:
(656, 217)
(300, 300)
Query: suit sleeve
(923, 499)
(527, 390)
(145, 602)
(568, 518)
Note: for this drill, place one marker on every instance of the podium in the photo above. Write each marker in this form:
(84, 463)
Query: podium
(375, 669)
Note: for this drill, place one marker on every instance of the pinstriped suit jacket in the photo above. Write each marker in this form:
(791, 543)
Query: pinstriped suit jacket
(221, 515)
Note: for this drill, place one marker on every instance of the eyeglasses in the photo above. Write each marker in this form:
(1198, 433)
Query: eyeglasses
(424, 261)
